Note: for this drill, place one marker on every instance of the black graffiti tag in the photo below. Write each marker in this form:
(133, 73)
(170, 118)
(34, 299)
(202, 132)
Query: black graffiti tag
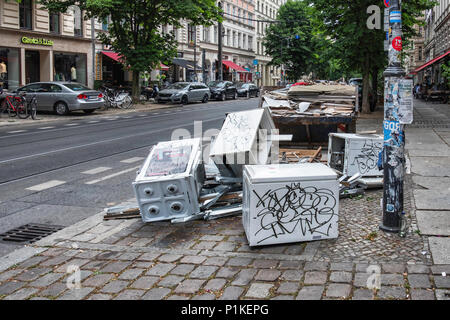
(367, 159)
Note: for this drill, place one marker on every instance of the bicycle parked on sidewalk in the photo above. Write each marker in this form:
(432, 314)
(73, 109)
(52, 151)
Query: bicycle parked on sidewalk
(17, 105)
(116, 98)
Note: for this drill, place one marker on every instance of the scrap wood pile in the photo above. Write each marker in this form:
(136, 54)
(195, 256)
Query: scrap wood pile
(313, 100)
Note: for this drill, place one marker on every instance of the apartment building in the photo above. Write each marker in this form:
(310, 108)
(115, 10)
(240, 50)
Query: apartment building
(38, 46)
(415, 56)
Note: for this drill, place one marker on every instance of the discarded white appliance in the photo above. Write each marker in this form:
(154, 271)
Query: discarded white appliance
(351, 153)
(285, 203)
(245, 138)
(169, 183)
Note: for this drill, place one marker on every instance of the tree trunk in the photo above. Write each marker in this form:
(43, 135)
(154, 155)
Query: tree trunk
(135, 90)
(375, 85)
(365, 90)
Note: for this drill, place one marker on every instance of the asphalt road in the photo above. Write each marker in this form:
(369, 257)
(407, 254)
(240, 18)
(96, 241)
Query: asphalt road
(62, 172)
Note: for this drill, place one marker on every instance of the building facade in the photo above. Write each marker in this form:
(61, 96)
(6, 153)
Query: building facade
(38, 46)
(415, 56)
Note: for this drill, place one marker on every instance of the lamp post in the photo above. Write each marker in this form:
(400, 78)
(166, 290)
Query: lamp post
(394, 134)
(219, 42)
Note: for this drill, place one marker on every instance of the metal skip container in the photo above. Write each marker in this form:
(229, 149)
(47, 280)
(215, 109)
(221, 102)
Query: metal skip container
(170, 181)
(285, 203)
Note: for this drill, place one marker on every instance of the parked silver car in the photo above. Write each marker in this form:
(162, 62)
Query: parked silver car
(63, 97)
(185, 92)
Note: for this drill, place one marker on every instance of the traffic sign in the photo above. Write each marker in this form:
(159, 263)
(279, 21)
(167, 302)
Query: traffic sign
(297, 36)
(386, 3)
(255, 62)
(397, 43)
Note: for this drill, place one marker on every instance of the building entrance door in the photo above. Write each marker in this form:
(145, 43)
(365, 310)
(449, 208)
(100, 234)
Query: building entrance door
(32, 66)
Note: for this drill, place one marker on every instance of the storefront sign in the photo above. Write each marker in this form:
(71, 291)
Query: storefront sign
(37, 41)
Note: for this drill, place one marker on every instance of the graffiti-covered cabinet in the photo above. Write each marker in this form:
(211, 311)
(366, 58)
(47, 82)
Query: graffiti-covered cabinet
(289, 203)
(351, 153)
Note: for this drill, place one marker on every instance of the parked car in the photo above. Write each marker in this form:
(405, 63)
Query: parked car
(63, 97)
(247, 90)
(372, 99)
(184, 92)
(221, 90)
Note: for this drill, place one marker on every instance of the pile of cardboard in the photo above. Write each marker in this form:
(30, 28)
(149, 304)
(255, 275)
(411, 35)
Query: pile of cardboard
(313, 100)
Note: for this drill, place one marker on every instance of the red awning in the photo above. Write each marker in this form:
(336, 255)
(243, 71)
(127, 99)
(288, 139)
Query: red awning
(431, 62)
(113, 55)
(163, 67)
(234, 66)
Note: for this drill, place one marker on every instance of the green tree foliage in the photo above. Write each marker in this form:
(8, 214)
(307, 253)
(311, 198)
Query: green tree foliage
(134, 28)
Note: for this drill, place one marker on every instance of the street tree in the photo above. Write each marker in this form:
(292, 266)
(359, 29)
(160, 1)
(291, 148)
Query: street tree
(134, 30)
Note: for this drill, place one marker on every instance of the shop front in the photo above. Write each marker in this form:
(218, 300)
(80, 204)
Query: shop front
(27, 57)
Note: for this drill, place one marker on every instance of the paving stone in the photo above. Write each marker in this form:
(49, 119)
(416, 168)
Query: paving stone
(442, 282)
(170, 281)
(283, 297)
(177, 297)
(259, 290)
(438, 269)
(337, 290)
(95, 264)
(225, 246)
(288, 287)
(182, 269)
(156, 294)
(316, 266)
(131, 274)
(129, 256)
(239, 262)
(76, 294)
(204, 245)
(21, 294)
(116, 267)
(9, 274)
(361, 280)
(115, 286)
(100, 296)
(341, 266)
(88, 254)
(38, 298)
(419, 281)
(109, 255)
(310, 293)
(292, 275)
(231, 293)
(55, 261)
(215, 284)
(294, 249)
(10, 287)
(46, 280)
(442, 294)
(53, 252)
(392, 279)
(265, 264)
(421, 294)
(69, 265)
(363, 294)
(32, 274)
(98, 280)
(160, 269)
(418, 268)
(212, 238)
(142, 264)
(362, 267)
(227, 273)
(149, 256)
(215, 261)
(193, 259)
(244, 277)
(33, 262)
(315, 277)
(189, 286)
(291, 265)
(267, 275)
(130, 294)
(144, 282)
(393, 268)
(341, 276)
(169, 257)
(391, 293)
(205, 296)
(54, 290)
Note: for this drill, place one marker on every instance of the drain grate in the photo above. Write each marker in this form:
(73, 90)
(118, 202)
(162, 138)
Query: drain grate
(30, 233)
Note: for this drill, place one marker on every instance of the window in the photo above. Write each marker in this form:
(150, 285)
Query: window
(250, 43)
(54, 22)
(191, 33)
(77, 21)
(420, 53)
(9, 68)
(206, 36)
(26, 14)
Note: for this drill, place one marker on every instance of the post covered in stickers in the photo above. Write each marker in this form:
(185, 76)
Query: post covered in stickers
(398, 111)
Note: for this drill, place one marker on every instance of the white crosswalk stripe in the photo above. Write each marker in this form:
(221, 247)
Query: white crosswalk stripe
(46, 185)
(96, 170)
(132, 160)
(17, 131)
(112, 175)
(44, 128)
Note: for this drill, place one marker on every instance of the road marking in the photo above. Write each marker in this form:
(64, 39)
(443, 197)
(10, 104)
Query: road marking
(142, 115)
(46, 185)
(43, 128)
(72, 124)
(112, 175)
(93, 121)
(17, 131)
(132, 160)
(96, 170)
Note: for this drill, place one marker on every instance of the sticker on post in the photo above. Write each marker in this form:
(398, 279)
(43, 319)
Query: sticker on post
(393, 135)
(397, 43)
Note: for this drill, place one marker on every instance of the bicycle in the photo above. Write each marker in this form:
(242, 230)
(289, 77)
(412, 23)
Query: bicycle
(116, 98)
(17, 105)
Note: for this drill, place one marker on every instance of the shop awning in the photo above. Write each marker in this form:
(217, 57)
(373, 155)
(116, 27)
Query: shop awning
(431, 62)
(233, 65)
(185, 63)
(163, 67)
(113, 55)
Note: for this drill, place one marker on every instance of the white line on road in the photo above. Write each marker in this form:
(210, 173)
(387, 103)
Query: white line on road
(93, 121)
(131, 160)
(17, 131)
(72, 124)
(43, 128)
(46, 185)
(96, 170)
(112, 175)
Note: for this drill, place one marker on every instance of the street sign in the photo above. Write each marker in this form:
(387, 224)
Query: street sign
(255, 62)
(386, 3)
(297, 36)
(397, 43)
